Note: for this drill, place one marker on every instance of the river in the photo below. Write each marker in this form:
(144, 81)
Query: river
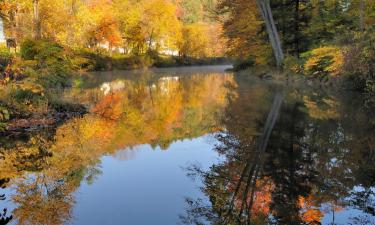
(184, 146)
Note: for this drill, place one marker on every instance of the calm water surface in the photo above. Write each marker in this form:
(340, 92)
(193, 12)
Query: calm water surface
(194, 146)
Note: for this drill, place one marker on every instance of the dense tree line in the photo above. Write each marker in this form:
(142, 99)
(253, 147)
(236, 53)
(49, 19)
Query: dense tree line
(321, 39)
(135, 26)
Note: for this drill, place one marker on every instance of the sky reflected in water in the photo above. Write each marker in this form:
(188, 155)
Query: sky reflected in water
(190, 146)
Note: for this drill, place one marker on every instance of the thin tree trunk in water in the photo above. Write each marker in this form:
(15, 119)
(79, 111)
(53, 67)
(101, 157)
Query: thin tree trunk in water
(37, 24)
(254, 164)
(266, 13)
(362, 15)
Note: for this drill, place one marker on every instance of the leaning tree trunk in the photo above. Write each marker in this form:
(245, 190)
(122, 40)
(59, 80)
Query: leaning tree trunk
(37, 23)
(266, 13)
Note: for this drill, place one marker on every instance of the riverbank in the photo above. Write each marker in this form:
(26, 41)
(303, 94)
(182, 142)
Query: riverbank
(342, 83)
(103, 61)
(32, 79)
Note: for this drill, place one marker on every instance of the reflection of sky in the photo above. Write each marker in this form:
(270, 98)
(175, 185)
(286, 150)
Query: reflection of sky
(349, 216)
(148, 189)
(7, 203)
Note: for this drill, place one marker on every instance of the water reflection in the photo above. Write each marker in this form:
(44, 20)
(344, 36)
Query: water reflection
(317, 167)
(45, 169)
(4, 217)
(314, 165)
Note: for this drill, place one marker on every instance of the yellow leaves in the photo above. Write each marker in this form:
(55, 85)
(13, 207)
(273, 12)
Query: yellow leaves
(242, 25)
(43, 200)
(4, 114)
(131, 26)
(327, 60)
(194, 41)
(32, 87)
(159, 23)
(327, 109)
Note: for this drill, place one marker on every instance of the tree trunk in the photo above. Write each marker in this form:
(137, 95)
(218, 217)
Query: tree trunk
(362, 16)
(72, 12)
(296, 28)
(266, 13)
(37, 23)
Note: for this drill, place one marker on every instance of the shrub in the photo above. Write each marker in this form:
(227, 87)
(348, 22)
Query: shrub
(4, 117)
(48, 62)
(293, 65)
(5, 57)
(28, 97)
(28, 50)
(41, 51)
(324, 61)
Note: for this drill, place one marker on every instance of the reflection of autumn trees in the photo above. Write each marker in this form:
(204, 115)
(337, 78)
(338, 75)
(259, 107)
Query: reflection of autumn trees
(43, 200)
(158, 113)
(46, 169)
(318, 155)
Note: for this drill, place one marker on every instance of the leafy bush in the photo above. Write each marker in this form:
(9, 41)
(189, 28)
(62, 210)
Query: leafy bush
(41, 51)
(293, 65)
(4, 117)
(5, 57)
(48, 62)
(28, 97)
(324, 61)
(28, 50)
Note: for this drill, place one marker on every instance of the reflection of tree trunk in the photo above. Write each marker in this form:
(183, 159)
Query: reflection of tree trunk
(253, 165)
(37, 23)
(150, 91)
(266, 13)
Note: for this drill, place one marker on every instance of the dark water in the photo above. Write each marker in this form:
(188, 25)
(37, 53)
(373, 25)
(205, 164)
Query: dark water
(195, 146)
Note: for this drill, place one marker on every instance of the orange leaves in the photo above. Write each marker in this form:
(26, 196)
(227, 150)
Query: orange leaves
(110, 106)
(107, 30)
(310, 213)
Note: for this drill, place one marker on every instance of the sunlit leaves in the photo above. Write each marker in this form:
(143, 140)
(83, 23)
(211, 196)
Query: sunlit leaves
(325, 61)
